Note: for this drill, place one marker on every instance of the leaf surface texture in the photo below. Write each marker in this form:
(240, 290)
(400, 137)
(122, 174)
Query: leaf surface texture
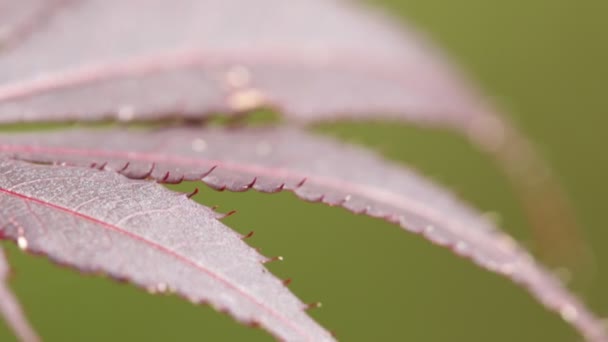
(139, 231)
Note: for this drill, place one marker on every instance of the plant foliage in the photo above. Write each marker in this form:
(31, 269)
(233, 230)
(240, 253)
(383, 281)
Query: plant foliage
(91, 199)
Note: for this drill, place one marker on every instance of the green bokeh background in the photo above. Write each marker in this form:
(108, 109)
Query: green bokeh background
(543, 61)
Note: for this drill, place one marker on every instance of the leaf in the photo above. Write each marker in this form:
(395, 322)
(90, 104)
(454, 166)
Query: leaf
(10, 309)
(315, 169)
(141, 232)
(98, 59)
(348, 62)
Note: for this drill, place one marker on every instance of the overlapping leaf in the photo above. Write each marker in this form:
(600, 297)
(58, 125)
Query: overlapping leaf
(312, 59)
(315, 169)
(141, 232)
(222, 55)
(10, 309)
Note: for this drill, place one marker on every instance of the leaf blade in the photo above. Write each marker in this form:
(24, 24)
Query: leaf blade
(10, 309)
(396, 62)
(162, 242)
(315, 169)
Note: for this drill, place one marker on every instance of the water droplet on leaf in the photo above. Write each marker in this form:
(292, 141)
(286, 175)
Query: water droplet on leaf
(507, 268)
(162, 287)
(238, 77)
(22, 243)
(569, 313)
(461, 247)
(126, 113)
(199, 145)
(246, 100)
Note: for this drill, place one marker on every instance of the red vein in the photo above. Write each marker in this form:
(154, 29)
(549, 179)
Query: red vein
(162, 249)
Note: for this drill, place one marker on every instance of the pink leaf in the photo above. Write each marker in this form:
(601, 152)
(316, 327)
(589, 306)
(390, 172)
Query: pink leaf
(222, 55)
(141, 232)
(312, 59)
(10, 309)
(315, 169)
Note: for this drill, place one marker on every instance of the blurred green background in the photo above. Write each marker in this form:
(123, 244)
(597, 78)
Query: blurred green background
(544, 61)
